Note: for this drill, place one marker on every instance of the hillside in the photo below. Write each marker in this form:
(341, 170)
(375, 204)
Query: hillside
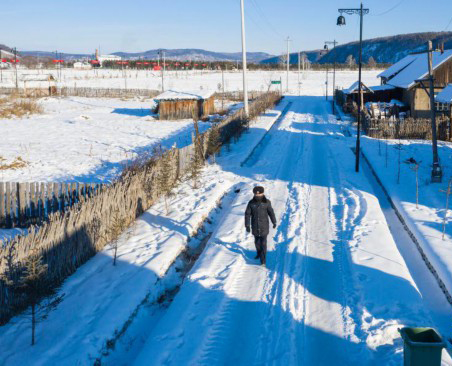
(174, 54)
(384, 49)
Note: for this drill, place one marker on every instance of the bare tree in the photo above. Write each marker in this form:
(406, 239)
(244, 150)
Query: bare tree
(414, 166)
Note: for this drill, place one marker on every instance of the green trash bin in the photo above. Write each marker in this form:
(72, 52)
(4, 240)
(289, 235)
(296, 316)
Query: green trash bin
(422, 347)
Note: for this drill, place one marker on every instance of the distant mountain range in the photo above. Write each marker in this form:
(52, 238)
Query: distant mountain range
(175, 54)
(384, 50)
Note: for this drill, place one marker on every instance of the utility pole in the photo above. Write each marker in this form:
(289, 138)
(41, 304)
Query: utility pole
(222, 83)
(288, 64)
(437, 174)
(334, 43)
(15, 66)
(299, 66)
(341, 21)
(245, 87)
(326, 83)
(162, 53)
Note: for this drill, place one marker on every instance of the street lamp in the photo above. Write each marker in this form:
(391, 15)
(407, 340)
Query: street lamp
(334, 43)
(341, 21)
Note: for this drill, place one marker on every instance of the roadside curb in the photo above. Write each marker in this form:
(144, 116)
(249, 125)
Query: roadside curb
(410, 233)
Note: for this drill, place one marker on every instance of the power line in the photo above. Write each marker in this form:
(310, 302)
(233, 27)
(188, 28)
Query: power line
(390, 9)
(261, 13)
(448, 24)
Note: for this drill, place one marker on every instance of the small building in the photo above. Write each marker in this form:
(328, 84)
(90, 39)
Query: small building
(103, 58)
(173, 105)
(82, 65)
(39, 84)
(404, 78)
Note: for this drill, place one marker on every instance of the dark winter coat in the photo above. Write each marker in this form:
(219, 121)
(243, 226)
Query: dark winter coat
(257, 214)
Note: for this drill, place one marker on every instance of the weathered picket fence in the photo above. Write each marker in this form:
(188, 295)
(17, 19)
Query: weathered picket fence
(67, 240)
(25, 204)
(408, 128)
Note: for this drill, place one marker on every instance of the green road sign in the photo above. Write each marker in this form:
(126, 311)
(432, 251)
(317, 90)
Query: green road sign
(276, 81)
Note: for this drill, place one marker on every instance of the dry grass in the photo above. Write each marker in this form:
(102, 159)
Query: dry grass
(16, 164)
(13, 106)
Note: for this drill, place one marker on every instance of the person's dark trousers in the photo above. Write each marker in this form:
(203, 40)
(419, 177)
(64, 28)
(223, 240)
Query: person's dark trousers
(261, 247)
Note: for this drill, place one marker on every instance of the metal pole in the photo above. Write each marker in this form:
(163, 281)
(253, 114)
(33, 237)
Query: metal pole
(15, 66)
(334, 73)
(299, 65)
(358, 145)
(326, 83)
(436, 169)
(288, 64)
(245, 87)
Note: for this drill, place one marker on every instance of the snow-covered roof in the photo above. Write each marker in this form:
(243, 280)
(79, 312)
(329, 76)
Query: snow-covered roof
(397, 67)
(179, 95)
(354, 88)
(445, 96)
(416, 69)
(381, 87)
(37, 77)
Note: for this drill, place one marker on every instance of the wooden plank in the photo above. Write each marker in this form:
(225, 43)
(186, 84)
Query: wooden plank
(15, 203)
(42, 199)
(56, 193)
(61, 197)
(74, 198)
(27, 201)
(8, 205)
(22, 203)
(49, 190)
(33, 203)
(2, 205)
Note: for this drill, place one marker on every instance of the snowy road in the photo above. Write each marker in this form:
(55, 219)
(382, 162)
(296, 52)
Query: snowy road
(335, 290)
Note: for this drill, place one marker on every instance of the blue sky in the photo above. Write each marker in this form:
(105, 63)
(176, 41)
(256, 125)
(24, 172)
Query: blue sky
(139, 25)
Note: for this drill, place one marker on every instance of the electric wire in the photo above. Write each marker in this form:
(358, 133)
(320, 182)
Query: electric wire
(389, 10)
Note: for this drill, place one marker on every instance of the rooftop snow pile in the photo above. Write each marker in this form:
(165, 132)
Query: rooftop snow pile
(445, 96)
(187, 95)
(404, 73)
(354, 88)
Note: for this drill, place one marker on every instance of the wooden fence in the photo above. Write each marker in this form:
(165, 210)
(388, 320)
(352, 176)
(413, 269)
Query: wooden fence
(110, 92)
(68, 239)
(408, 128)
(25, 204)
(81, 92)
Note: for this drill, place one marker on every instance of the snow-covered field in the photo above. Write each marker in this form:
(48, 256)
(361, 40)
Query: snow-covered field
(85, 139)
(92, 139)
(312, 82)
(342, 275)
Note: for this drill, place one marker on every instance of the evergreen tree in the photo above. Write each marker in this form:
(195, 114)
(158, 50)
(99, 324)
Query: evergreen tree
(35, 285)
(350, 61)
(372, 63)
(214, 143)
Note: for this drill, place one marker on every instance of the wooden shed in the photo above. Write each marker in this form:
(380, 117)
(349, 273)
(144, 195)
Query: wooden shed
(404, 76)
(174, 105)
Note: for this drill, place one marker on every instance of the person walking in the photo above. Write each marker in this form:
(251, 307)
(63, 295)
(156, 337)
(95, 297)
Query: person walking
(257, 212)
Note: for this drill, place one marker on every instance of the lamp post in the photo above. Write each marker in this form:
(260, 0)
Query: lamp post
(334, 43)
(341, 21)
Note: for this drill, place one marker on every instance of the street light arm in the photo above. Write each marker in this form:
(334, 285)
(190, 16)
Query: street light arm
(353, 11)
